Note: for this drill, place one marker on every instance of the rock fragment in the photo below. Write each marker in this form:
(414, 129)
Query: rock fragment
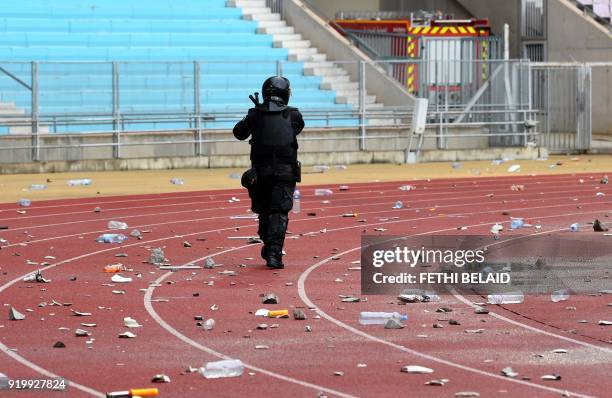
(15, 315)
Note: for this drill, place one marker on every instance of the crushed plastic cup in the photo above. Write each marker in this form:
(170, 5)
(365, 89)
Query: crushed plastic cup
(323, 192)
(506, 298)
(209, 324)
(224, 368)
(81, 182)
(379, 318)
(117, 225)
(497, 228)
(37, 187)
(24, 202)
(111, 238)
(559, 295)
(321, 168)
(177, 181)
(517, 223)
(514, 168)
(574, 227)
(398, 205)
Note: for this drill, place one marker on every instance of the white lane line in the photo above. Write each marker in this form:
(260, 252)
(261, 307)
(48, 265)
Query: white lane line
(323, 314)
(47, 373)
(528, 327)
(12, 282)
(406, 209)
(195, 344)
(370, 189)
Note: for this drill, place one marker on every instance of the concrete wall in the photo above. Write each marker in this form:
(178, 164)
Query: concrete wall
(586, 41)
(330, 7)
(338, 48)
(499, 13)
(451, 7)
(317, 146)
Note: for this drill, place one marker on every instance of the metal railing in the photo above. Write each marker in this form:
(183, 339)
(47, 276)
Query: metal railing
(508, 105)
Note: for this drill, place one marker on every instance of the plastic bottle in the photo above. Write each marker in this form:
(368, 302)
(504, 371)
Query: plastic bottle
(297, 201)
(506, 298)
(117, 225)
(559, 295)
(379, 318)
(574, 227)
(24, 202)
(37, 187)
(177, 181)
(323, 192)
(82, 182)
(516, 223)
(224, 368)
(111, 238)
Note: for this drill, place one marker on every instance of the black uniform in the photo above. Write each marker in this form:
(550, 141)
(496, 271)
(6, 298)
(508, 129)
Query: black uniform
(273, 127)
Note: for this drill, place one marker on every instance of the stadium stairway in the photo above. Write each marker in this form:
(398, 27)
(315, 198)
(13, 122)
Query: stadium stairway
(237, 49)
(315, 64)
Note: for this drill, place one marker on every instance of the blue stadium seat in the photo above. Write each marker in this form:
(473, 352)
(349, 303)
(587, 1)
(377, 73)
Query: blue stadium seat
(153, 44)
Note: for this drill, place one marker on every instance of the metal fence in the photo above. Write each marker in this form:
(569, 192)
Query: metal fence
(562, 95)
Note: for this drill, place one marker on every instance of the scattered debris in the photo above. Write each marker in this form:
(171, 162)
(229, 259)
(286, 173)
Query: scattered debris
(15, 315)
(481, 310)
(599, 227)
(127, 335)
(79, 313)
(131, 323)
(224, 368)
(157, 256)
(604, 323)
(416, 369)
(209, 324)
(307, 328)
(467, 394)
(553, 376)
(298, 314)
(36, 277)
(338, 373)
(209, 263)
(262, 326)
(514, 168)
(160, 378)
(508, 372)
(439, 382)
(177, 181)
(121, 279)
(269, 298)
(393, 323)
(82, 333)
(59, 344)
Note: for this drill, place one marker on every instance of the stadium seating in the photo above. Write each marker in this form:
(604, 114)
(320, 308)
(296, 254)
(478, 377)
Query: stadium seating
(70, 38)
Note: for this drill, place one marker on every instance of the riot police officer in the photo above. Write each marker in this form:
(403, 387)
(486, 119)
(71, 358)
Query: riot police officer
(273, 127)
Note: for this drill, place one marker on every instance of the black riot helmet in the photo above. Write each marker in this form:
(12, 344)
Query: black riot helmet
(276, 88)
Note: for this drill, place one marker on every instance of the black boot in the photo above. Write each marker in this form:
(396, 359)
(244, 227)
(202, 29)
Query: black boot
(274, 259)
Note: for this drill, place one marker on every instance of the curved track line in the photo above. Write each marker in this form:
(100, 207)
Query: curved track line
(162, 323)
(39, 369)
(323, 314)
(47, 373)
(301, 292)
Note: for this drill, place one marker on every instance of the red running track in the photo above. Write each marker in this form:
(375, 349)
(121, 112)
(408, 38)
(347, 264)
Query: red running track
(297, 363)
